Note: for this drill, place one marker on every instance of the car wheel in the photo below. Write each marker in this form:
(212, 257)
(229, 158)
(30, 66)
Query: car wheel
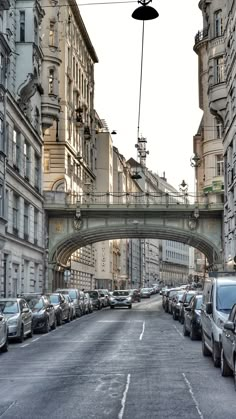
(130, 306)
(46, 326)
(4, 348)
(174, 315)
(59, 319)
(205, 350)
(225, 370)
(193, 335)
(185, 331)
(112, 307)
(22, 335)
(54, 325)
(215, 356)
(235, 373)
(31, 331)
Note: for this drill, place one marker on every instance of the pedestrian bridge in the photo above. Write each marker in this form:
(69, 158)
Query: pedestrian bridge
(77, 220)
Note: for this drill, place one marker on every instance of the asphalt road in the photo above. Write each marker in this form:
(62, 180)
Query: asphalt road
(115, 364)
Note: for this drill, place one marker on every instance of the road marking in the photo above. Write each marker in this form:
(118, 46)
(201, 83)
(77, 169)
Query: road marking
(119, 321)
(9, 407)
(192, 395)
(141, 336)
(34, 340)
(121, 413)
(53, 376)
(23, 346)
(177, 330)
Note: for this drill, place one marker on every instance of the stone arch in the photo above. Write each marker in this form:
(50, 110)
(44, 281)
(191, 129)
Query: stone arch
(69, 243)
(60, 185)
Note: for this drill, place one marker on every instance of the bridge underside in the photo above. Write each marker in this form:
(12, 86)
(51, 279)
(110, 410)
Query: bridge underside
(60, 253)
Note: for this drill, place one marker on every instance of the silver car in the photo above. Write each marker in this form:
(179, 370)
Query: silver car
(3, 334)
(18, 316)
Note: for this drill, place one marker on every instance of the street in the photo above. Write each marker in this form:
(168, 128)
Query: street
(116, 364)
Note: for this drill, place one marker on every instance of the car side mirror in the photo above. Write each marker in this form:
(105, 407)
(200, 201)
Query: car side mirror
(229, 326)
(209, 308)
(188, 308)
(1, 317)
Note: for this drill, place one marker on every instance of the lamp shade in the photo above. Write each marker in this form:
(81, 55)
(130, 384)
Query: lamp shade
(145, 13)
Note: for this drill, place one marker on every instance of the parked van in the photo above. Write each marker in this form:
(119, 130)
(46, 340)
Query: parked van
(219, 295)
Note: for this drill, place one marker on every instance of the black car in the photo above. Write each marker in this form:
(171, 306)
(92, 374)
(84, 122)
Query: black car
(61, 306)
(43, 313)
(176, 305)
(192, 318)
(184, 302)
(96, 299)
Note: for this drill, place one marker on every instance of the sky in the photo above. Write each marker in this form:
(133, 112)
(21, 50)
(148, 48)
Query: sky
(169, 113)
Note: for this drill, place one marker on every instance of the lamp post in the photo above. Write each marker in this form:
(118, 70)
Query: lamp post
(195, 160)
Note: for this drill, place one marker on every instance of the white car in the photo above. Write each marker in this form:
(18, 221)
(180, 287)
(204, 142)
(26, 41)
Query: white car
(3, 334)
(18, 316)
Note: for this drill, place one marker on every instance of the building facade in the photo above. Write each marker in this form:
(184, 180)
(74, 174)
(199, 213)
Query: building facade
(22, 258)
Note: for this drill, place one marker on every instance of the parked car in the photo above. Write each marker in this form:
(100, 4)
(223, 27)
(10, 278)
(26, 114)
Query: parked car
(135, 295)
(121, 298)
(219, 295)
(3, 333)
(192, 318)
(43, 312)
(167, 296)
(145, 293)
(78, 298)
(228, 350)
(104, 296)
(172, 295)
(72, 308)
(96, 299)
(184, 302)
(19, 318)
(88, 303)
(176, 305)
(61, 307)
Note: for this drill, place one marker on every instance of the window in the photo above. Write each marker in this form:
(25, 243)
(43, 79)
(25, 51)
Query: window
(36, 172)
(2, 69)
(22, 26)
(26, 160)
(219, 70)
(219, 165)
(219, 128)
(2, 145)
(47, 161)
(15, 215)
(218, 23)
(51, 81)
(26, 221)
(52, 34)
(16, 149)
(36, 217)
(36, 35)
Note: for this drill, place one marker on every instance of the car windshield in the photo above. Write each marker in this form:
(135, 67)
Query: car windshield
(93, 294)
(54, 299)
(199, 303)
(145, 289)
(73, 294)
(188, 296)
(9, 307)
(35, 302)
(225, 297)
(117, 293)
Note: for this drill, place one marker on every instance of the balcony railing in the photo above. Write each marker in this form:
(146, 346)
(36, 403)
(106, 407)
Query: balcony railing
(201, 35)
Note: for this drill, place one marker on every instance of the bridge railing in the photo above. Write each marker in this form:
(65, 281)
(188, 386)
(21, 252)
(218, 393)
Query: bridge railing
(140, 199)
(61, 199)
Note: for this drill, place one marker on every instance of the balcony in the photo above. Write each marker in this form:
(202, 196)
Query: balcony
(218, 99)
(200, 37)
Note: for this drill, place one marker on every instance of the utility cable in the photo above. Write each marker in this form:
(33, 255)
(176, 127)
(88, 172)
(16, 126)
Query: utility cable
(140, 83)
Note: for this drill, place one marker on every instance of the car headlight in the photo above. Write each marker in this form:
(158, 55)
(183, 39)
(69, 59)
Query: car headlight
(111, 299)
(12, 321)
(129, 299)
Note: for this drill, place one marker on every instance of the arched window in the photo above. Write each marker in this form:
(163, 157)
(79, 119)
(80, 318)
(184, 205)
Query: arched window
(51, 81)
